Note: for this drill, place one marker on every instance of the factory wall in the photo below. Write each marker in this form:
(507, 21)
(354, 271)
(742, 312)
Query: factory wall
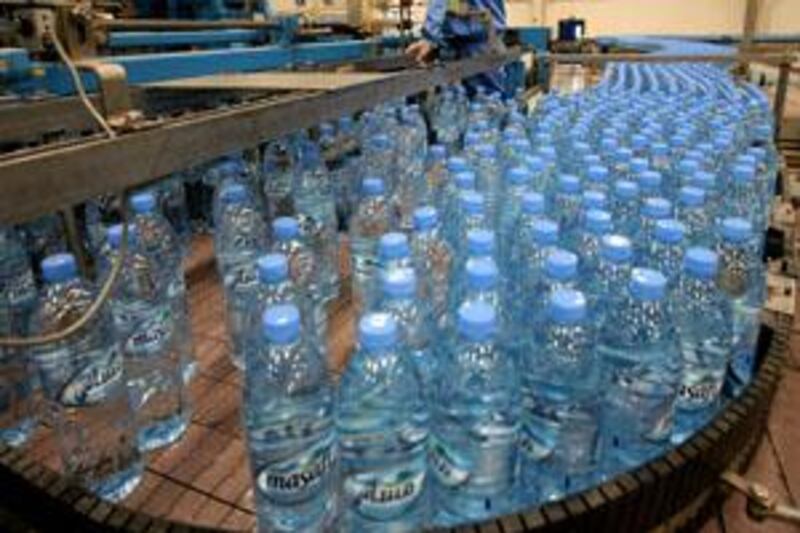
(637, 17)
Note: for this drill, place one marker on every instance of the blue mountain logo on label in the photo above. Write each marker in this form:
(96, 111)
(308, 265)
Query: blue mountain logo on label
(446, 467)
(150, 336)
(385, 494)
(91, 384)
(297, 477)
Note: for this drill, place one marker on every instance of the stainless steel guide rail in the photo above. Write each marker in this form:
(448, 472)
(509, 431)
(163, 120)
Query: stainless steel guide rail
(45, 180)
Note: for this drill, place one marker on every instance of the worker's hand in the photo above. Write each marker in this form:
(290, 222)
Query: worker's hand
(422, 51)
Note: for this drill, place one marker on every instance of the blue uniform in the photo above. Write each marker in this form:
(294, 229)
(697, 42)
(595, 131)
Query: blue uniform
(466, 37)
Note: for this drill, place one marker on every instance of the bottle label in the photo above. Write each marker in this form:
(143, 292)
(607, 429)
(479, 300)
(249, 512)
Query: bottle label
(380, 495)
(297, 477)
(151, 336)
(699, 394)
(92, 383)
(445, 466)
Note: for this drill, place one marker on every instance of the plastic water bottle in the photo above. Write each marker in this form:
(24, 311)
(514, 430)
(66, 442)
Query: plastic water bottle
(304, 269)
(527, 263)
(277, 174)
(83, 380)
(625, 206)
(17, 371)
(560, 271)
(650, 183)
(639, 347)
(291, 434)
(561, 404)
(567, 202)
(743, 198)
(704, 321)
(609, 281)
(399, 298)
(157, 239)
(240, 236)
(480, 280)
(667, 249)
(532, 210)
(741, 278)
(597, 178)
(471, 215)
(460, 182)
(145, 326)
(594, 200)
(596, 223)
(651, 211)
(433, 260)
(436, 175)
(693, 212)
(473, 453)
(382, 425)
(517, 182)
(487, 169)
(373, 218)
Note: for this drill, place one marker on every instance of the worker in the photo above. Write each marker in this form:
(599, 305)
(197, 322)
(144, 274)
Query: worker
(460, 36)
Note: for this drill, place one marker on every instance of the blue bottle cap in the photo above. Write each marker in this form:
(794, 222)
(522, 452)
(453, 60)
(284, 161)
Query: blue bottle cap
(543, 138)
(701, 262)
(569, 184)
(285, 228)
(535, 163)
(231, 168)
(594, 200)
(561, 265)
(669, 231)
(143, 202)
(591, 160)
(327, 129)
(616, 248)
(758, 153)
(465, 180)
(380, 142)
(346, 123)
(647, 284)
(679, 140)
(566, 306)
(114, 235)
(650, 179)
(598, 221)
(519, 145)
(372, 187)
(748, 158)
(438, 152)
(656, 208)
(377, 331)
(233, 193)
(639, 141)
(272, 268)
(472, 138)
(659, 149)
(704, 180)
(544, 232)
(480, 242)
(692, 196)
(688, 167)
(399, 282)
(457, 164)
(518, 176)
(481, 273)
(471, 202)
(486, 151)
(425, 218)
(281, 324)
(609, 144)
(626, 190)
(393, 245)
(597, 173)
(736, 229)
(533, 203)
(623, 154)
(59, 267)
(744, 174)
(477, 320)
(639, 165)
(581, 148)
(548, 153)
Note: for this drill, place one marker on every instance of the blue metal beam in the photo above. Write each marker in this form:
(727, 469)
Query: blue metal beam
(145, 68)
(131, 39)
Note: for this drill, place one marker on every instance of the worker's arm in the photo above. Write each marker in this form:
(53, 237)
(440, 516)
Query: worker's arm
(432, 32)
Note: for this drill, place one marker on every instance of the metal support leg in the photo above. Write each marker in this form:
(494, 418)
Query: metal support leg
(780, 96)
(74, 240)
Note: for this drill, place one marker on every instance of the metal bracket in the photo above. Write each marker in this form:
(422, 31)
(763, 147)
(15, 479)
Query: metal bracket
(761, 502)
(114, 93)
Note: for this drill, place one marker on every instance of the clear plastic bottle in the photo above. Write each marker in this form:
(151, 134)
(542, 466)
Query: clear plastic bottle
(667, 249)
(240, 236)
(399, 298)
(651, 211)
(567, 202)
(290, 423)
(561, 401)
(84, 384)
(639, 347)
(382, 424)
(433, 260)
(373, 218)
(597, 178)
(625, 206)
(476, 421)
(471, 215)
(525, 271)
(157, 238)
(693, 212)
(17, 371)
(704, 320)
(596, 224)
(146, 328)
